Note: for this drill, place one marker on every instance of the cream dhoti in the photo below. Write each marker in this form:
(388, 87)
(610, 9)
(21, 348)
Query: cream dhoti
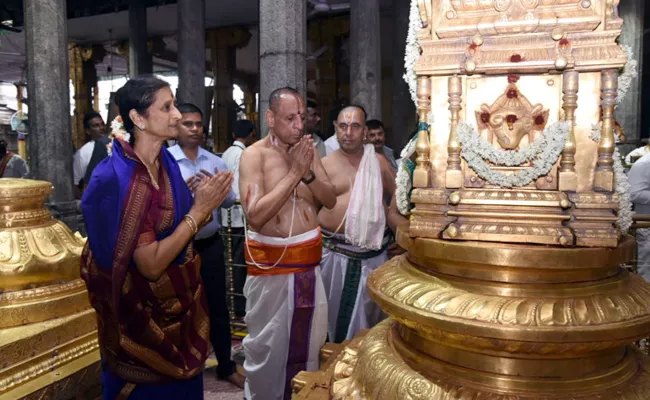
(345, 269)
(286, 312)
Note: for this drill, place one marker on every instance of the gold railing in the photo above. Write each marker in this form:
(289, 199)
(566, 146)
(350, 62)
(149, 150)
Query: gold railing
(237, 326)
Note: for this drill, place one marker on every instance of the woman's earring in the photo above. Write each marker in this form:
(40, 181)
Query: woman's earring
(141, 128)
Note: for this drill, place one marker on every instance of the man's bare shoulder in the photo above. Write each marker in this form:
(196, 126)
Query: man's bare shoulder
(331, 159)
(257, 149)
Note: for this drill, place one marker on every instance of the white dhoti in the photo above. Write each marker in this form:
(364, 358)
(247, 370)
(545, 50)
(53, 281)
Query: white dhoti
(286, 312)
(345, 269)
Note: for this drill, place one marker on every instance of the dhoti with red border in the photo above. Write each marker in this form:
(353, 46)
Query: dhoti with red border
(286, 312)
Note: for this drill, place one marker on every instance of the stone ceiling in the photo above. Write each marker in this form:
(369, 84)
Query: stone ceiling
(93, 21)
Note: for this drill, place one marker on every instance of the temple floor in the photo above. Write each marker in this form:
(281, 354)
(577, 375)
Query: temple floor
(215, 389)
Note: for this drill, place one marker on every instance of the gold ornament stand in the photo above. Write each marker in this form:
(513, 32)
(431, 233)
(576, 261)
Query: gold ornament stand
(48, 330)
(512, 285)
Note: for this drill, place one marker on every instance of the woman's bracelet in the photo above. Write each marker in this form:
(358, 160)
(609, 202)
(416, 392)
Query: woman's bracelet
(191, 222)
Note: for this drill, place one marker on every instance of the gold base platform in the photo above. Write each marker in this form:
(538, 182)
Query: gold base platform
(48, 330)
(472, 321)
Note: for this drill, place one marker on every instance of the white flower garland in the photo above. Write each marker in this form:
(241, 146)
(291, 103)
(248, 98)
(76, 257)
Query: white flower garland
(622, 185)
(411, 56)
(510, 158)
(402, 189)
(412, 51)
(117, 131)
(630, 71)
(554, 138)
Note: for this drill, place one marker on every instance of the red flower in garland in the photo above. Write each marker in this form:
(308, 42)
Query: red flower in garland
(511, 119)
(539, 120)
(485, 117)
(473, 46)
(512, 78)
(515, 58)
(564, 42)
(512, 94)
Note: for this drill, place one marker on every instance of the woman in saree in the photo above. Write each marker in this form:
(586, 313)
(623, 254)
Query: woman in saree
(139, 266)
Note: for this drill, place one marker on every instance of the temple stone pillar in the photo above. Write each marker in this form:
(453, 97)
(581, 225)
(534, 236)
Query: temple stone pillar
(283, 41)
(628, 113)
(50, 141)
(140, 60)
(191, 52)
(365, 56)
(403, 118)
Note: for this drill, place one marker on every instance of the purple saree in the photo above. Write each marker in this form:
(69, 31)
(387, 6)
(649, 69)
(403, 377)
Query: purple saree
(154, 336)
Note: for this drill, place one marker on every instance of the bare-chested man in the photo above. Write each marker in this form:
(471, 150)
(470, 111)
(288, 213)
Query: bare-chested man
(282, 185)
(354, 231)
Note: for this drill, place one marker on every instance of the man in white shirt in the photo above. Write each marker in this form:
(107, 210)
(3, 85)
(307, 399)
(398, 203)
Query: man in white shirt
(195, 164)
(244, 136)
(96, 130)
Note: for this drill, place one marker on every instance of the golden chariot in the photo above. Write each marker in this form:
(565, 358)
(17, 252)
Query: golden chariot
(512, 286)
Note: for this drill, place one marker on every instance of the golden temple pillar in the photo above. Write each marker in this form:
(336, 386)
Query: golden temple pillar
(84, 79)
(223, 44)
(512, 286)
(48, 337)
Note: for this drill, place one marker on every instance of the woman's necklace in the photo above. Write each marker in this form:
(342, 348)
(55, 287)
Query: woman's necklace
(154, 182)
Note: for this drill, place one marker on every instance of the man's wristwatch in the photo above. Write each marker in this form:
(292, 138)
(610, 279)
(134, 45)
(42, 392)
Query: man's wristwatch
(310, 179)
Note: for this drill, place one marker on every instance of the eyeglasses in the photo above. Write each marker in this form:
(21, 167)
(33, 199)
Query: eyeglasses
(344, 127)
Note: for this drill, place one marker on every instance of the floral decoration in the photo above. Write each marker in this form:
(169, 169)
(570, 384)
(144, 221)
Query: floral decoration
(543, 153)
(515, 58)
(403, 178)
(412, 51)
(117, 131)
(630, 71)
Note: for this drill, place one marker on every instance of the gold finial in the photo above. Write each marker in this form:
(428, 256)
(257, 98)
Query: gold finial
(454, 198)
(452, 231)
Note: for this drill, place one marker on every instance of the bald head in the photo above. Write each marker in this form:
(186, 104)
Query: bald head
(286, 115)
(351, 130)
(354, 107)
(276, 97)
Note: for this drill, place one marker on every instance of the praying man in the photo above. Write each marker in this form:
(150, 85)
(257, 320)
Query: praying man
(282, 184)
(355, 236)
